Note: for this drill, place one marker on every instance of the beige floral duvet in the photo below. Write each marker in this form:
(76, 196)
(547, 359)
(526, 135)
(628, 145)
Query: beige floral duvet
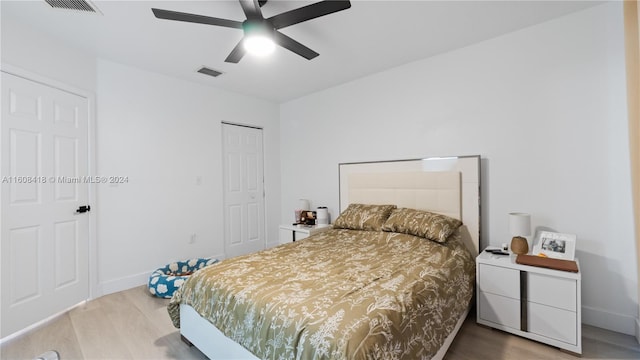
(340, 294)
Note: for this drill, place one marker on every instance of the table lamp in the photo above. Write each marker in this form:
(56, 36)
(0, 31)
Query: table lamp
(303, 205)
(519, 227)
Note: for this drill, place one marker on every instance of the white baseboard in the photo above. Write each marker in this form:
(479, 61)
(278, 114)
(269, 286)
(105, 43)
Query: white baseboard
(105, 288)
(131, 281)
(124, 283)
(218, 256)
(272, 244)
(601, 318)
(38, 324)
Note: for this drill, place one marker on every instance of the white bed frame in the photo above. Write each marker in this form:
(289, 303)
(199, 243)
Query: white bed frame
(449, 186)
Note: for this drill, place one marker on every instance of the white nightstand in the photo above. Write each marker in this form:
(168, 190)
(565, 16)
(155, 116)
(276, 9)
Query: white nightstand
(290, 233)
(533, 302)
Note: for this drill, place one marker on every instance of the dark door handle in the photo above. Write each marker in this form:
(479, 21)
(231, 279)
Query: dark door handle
(83, 209)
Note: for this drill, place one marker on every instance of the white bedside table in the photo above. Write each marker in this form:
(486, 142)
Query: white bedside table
(290, 233)
(533, 302)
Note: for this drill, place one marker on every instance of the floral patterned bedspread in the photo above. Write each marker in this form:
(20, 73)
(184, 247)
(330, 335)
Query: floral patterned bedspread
(340, 294)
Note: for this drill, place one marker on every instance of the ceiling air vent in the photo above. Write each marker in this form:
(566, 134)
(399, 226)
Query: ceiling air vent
(78, 5)
(205, 70)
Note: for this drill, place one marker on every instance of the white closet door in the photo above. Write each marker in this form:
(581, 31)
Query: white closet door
(243, 190)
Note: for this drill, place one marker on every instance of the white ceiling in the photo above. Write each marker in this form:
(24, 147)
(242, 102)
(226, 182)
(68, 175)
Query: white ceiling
(369, 37)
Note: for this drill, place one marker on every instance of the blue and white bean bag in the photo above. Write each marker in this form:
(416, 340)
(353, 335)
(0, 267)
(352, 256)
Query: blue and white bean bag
(166, 280)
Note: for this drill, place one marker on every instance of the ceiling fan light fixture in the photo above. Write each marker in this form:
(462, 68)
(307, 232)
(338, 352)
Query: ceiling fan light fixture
(259, 45)
(261, 34)
(258, 38)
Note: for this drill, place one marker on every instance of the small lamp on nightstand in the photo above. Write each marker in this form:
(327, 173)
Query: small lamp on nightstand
(519, 227)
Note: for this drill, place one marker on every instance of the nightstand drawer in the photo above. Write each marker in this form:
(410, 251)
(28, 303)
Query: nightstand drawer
(552, 323)
(499, 281)
(499, 310)
(552, 291)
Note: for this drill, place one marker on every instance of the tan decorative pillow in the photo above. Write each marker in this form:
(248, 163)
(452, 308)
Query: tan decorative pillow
(421, 223)
(363, 217)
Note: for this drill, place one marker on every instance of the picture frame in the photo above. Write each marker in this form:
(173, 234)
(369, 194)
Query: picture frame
(555, 245)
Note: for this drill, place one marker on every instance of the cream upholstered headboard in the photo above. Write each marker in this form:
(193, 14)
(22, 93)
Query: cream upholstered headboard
(437, 192)
(448, 186)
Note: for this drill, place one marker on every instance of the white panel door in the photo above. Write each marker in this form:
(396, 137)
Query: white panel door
(243, 190)
(44, 166)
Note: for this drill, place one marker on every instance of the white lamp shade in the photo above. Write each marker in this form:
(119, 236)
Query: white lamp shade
(519, 224)
(303, 204)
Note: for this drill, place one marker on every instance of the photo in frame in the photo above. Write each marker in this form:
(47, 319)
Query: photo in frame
(555, 245)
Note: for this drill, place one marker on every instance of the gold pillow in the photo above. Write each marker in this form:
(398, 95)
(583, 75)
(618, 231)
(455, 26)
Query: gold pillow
(363, 217)
(421, 223)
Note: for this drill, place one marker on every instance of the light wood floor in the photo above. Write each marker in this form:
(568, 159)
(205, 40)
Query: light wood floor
(133, 324)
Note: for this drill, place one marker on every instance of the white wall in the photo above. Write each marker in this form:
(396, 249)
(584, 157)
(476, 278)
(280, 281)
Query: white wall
(46, 56)
(544, 106)
(160, 132)
(163, 133)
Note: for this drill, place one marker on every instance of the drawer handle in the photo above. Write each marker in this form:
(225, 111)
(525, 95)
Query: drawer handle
(523, 301)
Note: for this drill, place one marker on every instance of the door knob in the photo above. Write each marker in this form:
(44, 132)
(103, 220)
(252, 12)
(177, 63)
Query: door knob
(83, 209)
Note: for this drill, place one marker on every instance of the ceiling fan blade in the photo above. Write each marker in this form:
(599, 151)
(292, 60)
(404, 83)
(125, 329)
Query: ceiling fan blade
(194, 18)
(251, 9)
(308, 12)
(294, 46)
(237, 53)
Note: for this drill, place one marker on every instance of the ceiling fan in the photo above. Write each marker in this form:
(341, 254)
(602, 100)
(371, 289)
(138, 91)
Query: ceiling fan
(260, 30)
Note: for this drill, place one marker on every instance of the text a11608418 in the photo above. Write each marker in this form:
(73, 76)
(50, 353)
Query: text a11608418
(65, 179)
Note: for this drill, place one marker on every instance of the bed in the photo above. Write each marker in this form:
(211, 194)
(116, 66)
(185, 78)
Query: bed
(380, 284)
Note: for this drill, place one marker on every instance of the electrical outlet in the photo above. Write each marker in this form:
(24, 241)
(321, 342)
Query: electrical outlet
(192, 239)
